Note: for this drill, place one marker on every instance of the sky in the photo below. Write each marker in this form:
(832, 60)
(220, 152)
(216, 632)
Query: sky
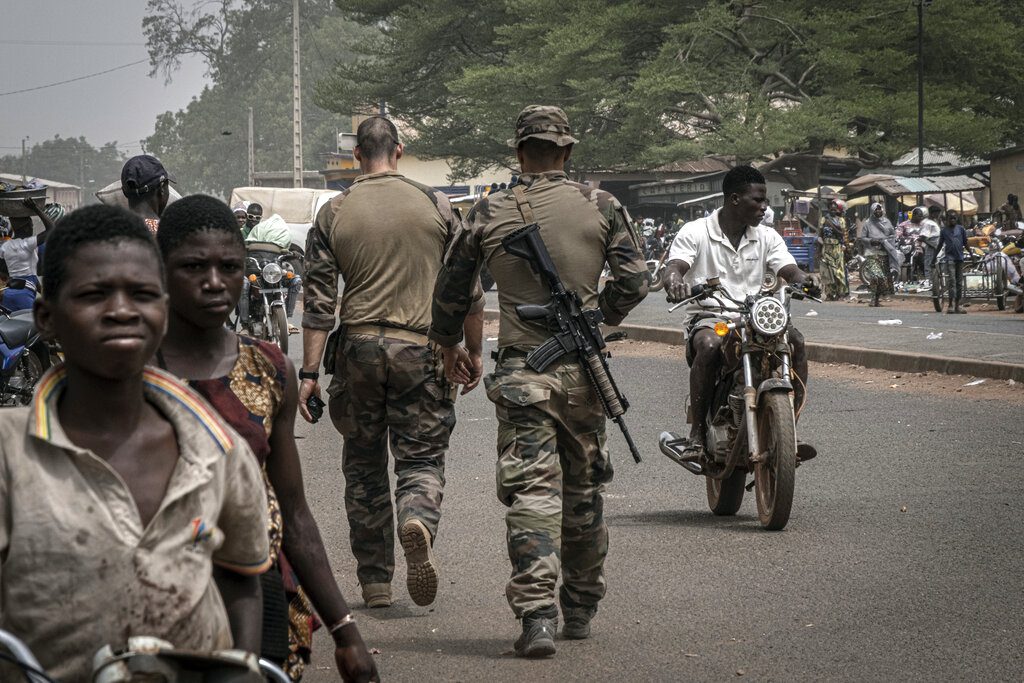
(45, 41)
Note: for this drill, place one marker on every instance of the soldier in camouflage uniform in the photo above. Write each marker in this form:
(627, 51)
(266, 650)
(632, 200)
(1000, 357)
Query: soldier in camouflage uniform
(552, 461)
(386, 236)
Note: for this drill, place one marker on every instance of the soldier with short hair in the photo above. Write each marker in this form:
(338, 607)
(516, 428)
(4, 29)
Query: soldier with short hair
(386, 236)
(552, 461)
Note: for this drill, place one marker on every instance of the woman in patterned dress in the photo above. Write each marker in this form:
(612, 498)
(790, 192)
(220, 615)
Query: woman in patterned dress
(882, 259)
(832, 237)
(253, 386)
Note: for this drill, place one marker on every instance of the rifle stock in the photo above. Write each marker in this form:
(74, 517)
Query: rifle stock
(575, 330)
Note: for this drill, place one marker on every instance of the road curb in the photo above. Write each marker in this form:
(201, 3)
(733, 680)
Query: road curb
(878, 359)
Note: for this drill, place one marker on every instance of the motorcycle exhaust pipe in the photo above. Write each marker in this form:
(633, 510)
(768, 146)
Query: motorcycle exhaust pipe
(669, 444)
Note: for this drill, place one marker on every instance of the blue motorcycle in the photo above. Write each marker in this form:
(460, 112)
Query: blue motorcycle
(24, 357)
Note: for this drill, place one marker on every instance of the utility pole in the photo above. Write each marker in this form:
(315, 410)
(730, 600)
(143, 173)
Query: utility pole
(24, 161)
(920, 84)
(296, 100)
(252, 152)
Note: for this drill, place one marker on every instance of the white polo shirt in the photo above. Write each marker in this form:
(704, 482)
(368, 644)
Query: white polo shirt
(709, 253)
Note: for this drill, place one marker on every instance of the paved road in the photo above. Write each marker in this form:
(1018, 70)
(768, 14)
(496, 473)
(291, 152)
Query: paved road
(853, 589)
(995, 335)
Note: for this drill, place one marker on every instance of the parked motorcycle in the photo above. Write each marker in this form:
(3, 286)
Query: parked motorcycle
(751, 422)
(152, 659)
(269, 271)
(24, 357)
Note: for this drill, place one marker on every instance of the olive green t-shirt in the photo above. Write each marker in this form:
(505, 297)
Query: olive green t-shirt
(386, 236)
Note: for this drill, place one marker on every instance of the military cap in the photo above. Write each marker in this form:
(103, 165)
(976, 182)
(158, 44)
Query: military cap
(544, 123)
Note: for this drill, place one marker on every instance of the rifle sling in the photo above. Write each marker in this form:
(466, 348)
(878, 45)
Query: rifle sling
(523, 203)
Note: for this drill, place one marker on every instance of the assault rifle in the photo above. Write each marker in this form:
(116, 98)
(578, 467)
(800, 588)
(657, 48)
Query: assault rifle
(575, 330)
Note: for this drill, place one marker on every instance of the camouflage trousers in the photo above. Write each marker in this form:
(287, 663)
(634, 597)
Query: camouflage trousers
(552, 469)
(386, 392)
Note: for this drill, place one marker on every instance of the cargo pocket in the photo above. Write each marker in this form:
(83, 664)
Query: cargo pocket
(340, 407)
(517, 425)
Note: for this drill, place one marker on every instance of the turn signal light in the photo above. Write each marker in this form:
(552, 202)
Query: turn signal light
(290, 274)
(721, 329)
(253, 278)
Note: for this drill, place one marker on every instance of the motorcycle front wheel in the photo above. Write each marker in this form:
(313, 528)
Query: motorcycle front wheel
(657, 280)
(726, 495)
(22, 382)
(775, 474)
(280, 327)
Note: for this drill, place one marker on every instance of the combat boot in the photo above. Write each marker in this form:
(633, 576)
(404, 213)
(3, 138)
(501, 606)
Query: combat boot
(421, 567)
(538, 638)
(377, 594)
(577, 622)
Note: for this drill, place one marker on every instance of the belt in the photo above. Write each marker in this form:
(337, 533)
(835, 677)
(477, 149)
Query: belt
(388, 332)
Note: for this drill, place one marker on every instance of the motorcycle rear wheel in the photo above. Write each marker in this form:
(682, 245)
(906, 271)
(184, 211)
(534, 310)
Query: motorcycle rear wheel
(725, 496)
(280, 327)
(775, 475)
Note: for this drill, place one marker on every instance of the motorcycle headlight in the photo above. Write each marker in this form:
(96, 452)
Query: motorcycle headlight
(768, 316)
(272, 273)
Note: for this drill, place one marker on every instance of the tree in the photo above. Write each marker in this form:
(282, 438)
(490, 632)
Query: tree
(646, 82)
(247, 50)
(70, 160)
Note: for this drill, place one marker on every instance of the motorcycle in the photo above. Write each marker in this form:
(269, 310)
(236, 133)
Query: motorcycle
(24, 357)
(751, 422)
(269, 270)
(153, 659)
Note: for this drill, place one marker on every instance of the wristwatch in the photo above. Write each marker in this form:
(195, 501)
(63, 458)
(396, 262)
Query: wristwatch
(309, 375)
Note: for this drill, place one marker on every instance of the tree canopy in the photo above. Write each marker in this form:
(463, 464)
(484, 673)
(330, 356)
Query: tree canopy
(646, 82)
(246, 47)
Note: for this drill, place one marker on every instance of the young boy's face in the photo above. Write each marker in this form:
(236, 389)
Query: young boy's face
(111, 312)
(204, 278)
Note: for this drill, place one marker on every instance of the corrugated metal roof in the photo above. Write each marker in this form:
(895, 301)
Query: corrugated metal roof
(705, 165)
(936, 157)
(15, 178)
(926, 185)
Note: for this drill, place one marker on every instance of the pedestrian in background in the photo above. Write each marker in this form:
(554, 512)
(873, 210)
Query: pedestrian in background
(20, 254)
(386, 236)
(832, 243)
(929, 237)
(146, 184)
(882, 259)
(953, 241)
(553, 464)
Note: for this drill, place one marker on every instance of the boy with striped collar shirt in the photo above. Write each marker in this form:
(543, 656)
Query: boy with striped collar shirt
(122, 494)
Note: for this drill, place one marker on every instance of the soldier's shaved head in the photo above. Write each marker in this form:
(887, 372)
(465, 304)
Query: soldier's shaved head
(376, 138)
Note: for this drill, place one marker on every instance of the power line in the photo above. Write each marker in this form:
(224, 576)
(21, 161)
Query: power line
(74, 43)
(72, 80)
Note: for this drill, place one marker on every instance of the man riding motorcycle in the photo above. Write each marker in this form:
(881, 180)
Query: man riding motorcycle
(730, 244)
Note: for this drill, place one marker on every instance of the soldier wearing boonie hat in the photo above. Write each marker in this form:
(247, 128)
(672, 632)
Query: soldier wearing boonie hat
(552, 461)
(543, 122)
